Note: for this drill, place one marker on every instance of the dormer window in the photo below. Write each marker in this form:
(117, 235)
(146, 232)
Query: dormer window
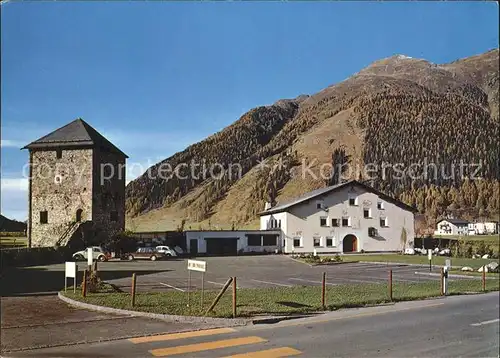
(320, 205)
(353, 200)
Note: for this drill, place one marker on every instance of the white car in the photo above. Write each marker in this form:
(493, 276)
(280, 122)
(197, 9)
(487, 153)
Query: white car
(97, 254)
(167, 251)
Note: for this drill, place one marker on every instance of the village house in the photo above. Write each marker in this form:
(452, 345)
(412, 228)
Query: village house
(349, 217)
(452, 227)
(76, 187)
(483, 228)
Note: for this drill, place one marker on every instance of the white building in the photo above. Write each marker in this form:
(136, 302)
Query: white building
(349, 217)
(483, 228)
(232, 242)
(452, 227)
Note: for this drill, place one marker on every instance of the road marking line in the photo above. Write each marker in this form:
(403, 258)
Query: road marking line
(216, 283)
(175, 288)
(485, 322)
(352, 279)
(181, 335)
(273, 283)
(268, 353)
(301, 279)
(199, 347)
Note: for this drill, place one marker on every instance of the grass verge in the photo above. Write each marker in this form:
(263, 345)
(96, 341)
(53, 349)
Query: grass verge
(283, 300)
(417, 259)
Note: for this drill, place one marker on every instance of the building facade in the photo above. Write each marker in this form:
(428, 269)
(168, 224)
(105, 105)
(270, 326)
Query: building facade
(76, 187)
(483, 228)
(349, 217)
(232, 242)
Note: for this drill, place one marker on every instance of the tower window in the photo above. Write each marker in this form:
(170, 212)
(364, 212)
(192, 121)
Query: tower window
(79, 215)
(58, 153)
(44, 217)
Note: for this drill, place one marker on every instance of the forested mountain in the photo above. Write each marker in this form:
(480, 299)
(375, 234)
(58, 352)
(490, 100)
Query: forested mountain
(394, 118)
(8, 225)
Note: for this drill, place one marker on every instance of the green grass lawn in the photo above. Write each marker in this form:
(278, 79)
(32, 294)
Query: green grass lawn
(283, 300)
(419, 259)
(469, 237)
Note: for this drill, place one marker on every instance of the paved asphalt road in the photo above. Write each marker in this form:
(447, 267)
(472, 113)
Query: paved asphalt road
(451, 327)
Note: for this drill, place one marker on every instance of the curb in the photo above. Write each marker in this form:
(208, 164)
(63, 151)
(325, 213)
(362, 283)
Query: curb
(270, 320)
(226, 322)
(335, 263)
(300, 262)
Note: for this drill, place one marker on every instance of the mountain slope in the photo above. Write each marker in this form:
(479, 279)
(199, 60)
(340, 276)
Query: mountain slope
(8, 225)
(398, 111)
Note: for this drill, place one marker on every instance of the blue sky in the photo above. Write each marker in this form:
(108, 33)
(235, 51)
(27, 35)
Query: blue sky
(155, 77)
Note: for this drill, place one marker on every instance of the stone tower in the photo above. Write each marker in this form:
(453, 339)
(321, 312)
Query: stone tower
(76, 187)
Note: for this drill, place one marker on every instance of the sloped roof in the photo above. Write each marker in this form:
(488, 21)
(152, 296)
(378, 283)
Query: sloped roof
(74, 134)
(318, 192)
(455, 221)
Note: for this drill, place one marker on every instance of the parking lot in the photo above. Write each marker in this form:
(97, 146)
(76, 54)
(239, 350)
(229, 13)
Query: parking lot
(251, 272)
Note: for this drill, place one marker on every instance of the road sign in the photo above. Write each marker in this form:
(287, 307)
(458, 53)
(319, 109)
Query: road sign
(196, 265)
(71, 270)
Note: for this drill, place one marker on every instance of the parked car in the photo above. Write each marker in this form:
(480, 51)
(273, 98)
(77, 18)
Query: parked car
(167, 251)
(145, 253)
(97, 254)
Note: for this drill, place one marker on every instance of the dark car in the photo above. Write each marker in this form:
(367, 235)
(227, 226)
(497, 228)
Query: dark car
(145, 253)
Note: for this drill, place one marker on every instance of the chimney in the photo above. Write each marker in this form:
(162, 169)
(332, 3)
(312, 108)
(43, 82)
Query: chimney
(267, 206)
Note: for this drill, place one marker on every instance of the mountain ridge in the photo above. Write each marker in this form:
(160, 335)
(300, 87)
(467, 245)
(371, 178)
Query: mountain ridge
(344, 120)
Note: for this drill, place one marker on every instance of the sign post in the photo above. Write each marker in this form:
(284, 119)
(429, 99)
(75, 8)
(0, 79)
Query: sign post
(445, 280)
(90, 257)
(71, 270)
(200, 266)
(429, 256)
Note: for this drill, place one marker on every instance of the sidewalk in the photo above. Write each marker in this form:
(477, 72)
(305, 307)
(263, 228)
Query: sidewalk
(31, 322)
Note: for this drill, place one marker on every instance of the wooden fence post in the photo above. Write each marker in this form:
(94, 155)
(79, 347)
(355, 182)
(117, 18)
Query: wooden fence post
(390, 285)
(84, 284)
(133, 289)
(234, 297)
(483, 278)
(216, 300)
(323, 291)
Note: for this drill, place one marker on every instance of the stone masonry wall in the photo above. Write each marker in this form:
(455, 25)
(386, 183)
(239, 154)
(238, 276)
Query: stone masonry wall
(60, 187)
(108, 209)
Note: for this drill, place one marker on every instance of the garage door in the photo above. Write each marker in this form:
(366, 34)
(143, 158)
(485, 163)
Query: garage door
(222, 246)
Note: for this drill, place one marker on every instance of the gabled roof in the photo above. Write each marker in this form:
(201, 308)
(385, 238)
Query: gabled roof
(318, 192)
(455, 221)
(74, 134)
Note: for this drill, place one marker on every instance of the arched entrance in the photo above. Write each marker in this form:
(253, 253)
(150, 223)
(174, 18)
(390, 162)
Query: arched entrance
(79, 215)
(350, 243)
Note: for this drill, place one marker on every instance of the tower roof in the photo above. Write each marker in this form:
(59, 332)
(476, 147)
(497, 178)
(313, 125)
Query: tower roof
(74, 134)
